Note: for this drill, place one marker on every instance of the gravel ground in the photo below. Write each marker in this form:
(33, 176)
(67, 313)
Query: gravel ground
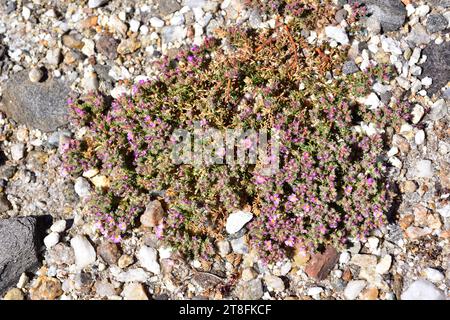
(48, 48)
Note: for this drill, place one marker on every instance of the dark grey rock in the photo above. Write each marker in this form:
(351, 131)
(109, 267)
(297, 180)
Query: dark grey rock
(436, 66)
(350, 67)
(390, 13)
(436, 23)
(39, 105)
(20, 239)
(167, 7)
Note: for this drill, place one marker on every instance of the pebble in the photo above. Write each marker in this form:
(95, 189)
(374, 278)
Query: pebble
(438, 110)
(88, 47)
(314, 291)
(117, 25)
(419, 137)
(423, 169)
(134, 291)
(372, 101)
(422, 10)
(14, 294)
(354, 288)
(444, 211)
(338, 34)
(350, 67)
(59, 226)
(251, 290)
(237, 220)
(90, 82)
(273, 282)
(392, 152)
(96, 3)
(417, 113)
(51, 240)
(23, 281)
(82, 187)
(156, 22)
(422, 290)
(344, 258)
(125, 261)
(17, 151)
(152, 215)
(104, 289)
(434, 275)
(46, 288)
(35, 75)
(427, 81)
(384, 265)
(239, 245)
(132, 275)
(396, 162)
(109, 252)
(409, 186)
(148, 258)
(223, 247)
(134, 25)
(53, 56)
(248, 274)
(84, 252)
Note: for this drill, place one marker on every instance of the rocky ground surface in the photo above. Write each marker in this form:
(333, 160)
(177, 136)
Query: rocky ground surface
(51, 48)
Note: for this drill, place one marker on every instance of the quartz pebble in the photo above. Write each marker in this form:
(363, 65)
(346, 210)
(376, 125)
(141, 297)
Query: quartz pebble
(337, 34)
(354, 288)
(84, 252)
(422, 290)
(51, 240)
(148, 259)
(237, 220)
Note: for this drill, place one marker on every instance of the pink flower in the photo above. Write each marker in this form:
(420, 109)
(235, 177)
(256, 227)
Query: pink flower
(116, 238)
(293, 198)
(290, 242)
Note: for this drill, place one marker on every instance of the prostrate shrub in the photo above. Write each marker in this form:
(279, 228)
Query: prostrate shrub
(330, 186)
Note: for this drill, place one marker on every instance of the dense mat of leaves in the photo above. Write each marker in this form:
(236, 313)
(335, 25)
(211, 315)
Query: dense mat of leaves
(330, 186)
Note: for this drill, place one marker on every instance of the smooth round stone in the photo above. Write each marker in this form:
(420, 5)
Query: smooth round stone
(35, 75)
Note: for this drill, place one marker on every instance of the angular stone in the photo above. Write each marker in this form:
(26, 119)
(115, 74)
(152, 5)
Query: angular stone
(153, 214)
(251, 290)
(46, 288)
(20, 239)
(40, 105)
(134, 291)
(14, 294)
(167, 7)
(109, 252)
(321, 264)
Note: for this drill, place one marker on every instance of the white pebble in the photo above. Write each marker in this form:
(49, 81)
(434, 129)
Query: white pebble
(237, 220)
(84, 251)
(59, 226)
(148, 257)
(419, 138)
(434, 275)
(51, 240)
